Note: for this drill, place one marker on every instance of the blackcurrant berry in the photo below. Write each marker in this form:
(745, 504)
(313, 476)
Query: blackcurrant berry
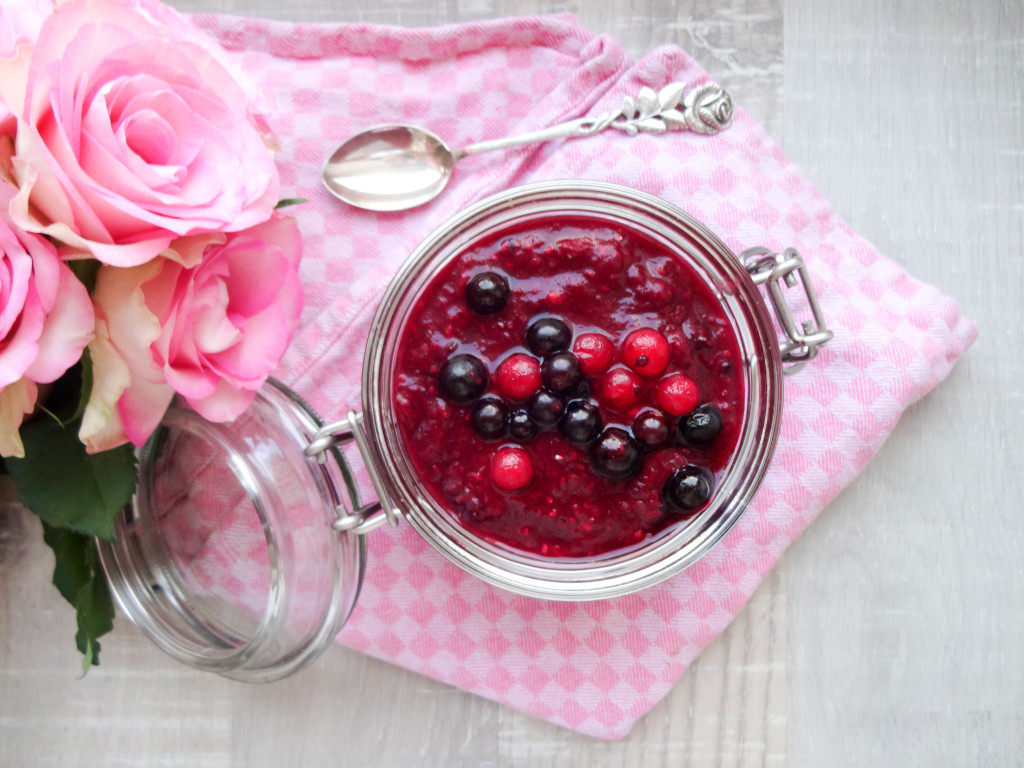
(545, 407)
(547, 336)
(463, 378)
(489, 418)
(687, 489)
(521, 427)
(652, 429)
(616, 454)
(487, 293)
(581, 423)
(561, 372)
(701, 425)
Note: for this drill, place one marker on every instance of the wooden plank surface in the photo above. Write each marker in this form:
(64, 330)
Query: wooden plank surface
(890, 633)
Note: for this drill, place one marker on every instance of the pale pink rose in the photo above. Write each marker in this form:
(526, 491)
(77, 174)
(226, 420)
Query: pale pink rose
(209, 320)
(46, 320)
(132, 133)
(20, 21)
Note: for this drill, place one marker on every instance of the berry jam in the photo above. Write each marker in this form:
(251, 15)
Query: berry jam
(608, 478)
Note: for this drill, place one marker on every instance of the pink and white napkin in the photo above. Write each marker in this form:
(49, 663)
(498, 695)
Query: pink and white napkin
(594, 667)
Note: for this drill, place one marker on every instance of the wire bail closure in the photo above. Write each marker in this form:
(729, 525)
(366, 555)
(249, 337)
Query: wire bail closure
(771, 269)
(370, 516)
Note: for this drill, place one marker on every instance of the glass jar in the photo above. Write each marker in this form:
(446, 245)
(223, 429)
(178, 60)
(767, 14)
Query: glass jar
(274, 492)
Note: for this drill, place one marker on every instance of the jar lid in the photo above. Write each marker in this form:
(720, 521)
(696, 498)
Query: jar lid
(227, 558)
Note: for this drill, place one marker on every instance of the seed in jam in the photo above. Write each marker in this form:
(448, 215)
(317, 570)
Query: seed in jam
(511, 467)
(646, 351)
(687, 489)
(652, 428)
(518, 376)
(521, 427)
(701, 426)
(621, 388)
(616, 454)
(594, 351)
(581, 423)
(545, 408)
(677, 394)
(489, 418)
(561, 371)
(463, 378)
(547, 336)
(487, 293)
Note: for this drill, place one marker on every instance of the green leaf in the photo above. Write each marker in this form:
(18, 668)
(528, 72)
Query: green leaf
(285, 202)
(79, 578)
(67, 487)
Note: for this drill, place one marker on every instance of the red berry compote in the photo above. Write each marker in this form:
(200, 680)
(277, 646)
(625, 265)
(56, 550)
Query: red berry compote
(602, 358)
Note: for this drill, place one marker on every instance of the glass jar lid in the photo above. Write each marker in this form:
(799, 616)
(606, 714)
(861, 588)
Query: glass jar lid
(228, 558)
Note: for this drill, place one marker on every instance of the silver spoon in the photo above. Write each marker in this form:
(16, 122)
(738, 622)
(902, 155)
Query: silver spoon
(396, 167)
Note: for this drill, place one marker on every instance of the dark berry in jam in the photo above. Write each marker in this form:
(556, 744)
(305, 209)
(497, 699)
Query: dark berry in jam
(511, 468)
(521, 427)
(581, 391)
(594, 351)
(487, 293)
(518, 376)
(561, 372)
(677, 394)
(489, 418)
(581, 423)
(652, 428)
(545, 408)
(616, 455)
(547, 336)
(687, 489)
(701, 426)
(646, 351)
(621, 388)
(463, 378)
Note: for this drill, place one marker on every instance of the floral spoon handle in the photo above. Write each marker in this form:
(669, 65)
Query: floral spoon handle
(705, 109)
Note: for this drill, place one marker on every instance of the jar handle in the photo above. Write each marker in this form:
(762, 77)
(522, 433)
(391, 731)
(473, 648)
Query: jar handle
(772, 269)
(370, 516)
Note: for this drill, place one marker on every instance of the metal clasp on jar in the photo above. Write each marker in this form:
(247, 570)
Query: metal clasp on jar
(772, 269)
(370, 516)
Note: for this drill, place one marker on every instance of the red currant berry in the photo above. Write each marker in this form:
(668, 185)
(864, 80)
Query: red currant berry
(621, 388)
(518, 376)
(511, 467)
(676, 394)
(646, 351)
(594, 352)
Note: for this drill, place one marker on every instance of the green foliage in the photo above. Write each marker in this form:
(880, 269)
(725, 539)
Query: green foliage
(67, 487)
(80, 580)
(78, 496)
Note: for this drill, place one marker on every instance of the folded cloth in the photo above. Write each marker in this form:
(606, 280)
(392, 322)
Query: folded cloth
(594, 667)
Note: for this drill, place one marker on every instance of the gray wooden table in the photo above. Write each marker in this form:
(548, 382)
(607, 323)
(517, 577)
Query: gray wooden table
(891, 633)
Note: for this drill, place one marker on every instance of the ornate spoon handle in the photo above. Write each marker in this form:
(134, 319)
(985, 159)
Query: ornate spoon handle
(705, 109)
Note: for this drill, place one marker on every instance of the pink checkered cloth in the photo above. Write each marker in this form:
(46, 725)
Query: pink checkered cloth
(594, 667)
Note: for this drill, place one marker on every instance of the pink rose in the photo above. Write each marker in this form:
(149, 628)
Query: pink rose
(46, 320)
(209, 320)
(132, 132)
(20, 21)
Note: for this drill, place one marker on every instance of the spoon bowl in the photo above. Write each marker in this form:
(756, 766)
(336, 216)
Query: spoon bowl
(389, 168)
